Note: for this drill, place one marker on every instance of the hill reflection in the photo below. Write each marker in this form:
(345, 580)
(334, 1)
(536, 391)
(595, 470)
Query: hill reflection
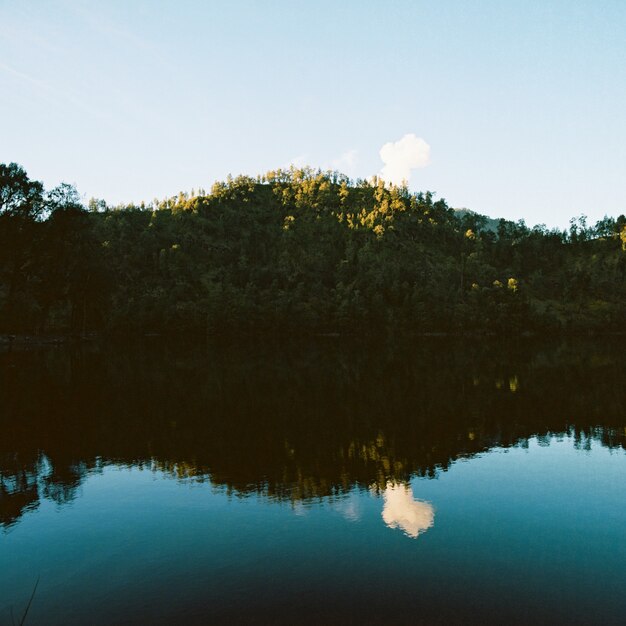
(294, 423)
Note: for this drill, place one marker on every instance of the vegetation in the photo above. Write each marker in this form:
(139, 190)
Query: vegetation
(297, 251)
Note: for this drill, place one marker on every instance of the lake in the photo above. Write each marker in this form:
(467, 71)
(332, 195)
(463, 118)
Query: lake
(324, 481)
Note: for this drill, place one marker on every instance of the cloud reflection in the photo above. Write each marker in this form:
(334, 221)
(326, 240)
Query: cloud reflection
(349, 509)
(401, 510)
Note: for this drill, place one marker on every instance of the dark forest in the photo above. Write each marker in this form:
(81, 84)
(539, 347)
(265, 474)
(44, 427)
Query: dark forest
(297, 251)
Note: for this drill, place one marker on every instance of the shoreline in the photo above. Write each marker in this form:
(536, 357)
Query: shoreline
(58, 339)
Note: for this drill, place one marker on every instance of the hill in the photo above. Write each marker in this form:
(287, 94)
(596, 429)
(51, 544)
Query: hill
(298, 251)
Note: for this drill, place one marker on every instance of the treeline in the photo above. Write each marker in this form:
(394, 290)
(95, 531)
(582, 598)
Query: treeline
(297, 251)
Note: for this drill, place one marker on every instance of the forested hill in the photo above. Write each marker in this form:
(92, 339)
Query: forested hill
(297, 251)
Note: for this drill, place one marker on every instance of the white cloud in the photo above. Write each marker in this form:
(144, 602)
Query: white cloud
(401, 510)
(402, 156)
(298, 161)
(345, 163)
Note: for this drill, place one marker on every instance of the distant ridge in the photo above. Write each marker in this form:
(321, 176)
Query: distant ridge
(490, 223)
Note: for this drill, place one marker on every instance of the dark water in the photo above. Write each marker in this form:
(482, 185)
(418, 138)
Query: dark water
(325, 482)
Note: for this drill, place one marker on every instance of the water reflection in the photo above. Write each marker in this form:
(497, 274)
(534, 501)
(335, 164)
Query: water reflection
(24, 485)
(349, 509)
(402, 510)
(294, 423)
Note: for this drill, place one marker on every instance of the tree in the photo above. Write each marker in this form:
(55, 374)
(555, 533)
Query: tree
(21, 207)
(19, 196)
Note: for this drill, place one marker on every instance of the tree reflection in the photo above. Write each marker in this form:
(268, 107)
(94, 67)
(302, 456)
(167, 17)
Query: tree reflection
(16, 498)
(293, 423)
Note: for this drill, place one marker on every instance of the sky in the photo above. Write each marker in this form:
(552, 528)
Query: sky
(513, 109)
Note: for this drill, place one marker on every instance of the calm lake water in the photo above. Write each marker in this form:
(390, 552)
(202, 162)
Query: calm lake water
(433, 481)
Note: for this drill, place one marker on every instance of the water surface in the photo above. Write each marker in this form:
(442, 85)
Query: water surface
(438, 481)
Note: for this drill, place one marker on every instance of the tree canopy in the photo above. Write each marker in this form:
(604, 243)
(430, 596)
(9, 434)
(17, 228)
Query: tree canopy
(297, 251)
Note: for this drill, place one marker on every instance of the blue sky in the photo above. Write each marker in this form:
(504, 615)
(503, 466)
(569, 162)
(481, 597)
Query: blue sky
(522, 103)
